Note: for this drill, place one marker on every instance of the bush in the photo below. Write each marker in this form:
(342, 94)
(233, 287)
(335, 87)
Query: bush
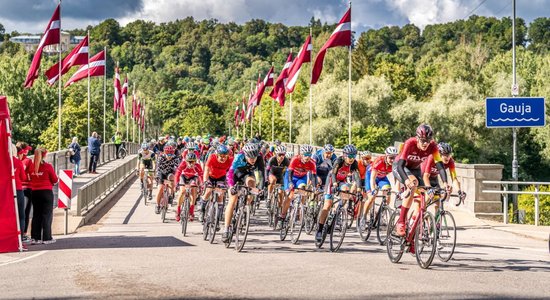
(527, 203)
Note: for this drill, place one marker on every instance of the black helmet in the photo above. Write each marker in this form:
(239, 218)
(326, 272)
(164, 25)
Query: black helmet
(445, 148)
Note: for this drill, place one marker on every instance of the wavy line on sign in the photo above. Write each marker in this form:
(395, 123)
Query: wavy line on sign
(515, 120)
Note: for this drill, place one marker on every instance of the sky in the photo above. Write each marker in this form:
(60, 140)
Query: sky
(31, 16)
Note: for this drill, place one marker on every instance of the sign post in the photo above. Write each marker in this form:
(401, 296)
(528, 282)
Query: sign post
(65, 191)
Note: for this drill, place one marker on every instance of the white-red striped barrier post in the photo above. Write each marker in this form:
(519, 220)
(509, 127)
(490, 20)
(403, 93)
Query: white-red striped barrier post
(65, 192)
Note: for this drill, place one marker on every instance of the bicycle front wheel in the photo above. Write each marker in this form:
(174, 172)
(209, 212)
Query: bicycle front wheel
(297, 224)
(207, 219)
(446, 236)
(145, 189)
(365, 222)
(383, 220)
(215, 222)
(184, 216)
(243, 222)
(338, 229)
(425, 241)
(394, 243)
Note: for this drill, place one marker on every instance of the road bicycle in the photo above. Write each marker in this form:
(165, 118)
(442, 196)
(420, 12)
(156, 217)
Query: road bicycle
(214, 212)
(122, 152)
(314, 207)
(376, 218)
(147, 185)
(240, 222)
(166, 199)
(445, 228)
(420, 233)
(298, 210)
(272, 203)
(185, 206)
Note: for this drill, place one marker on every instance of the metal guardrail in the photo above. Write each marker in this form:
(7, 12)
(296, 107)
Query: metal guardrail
(505, 192)
(96, 190)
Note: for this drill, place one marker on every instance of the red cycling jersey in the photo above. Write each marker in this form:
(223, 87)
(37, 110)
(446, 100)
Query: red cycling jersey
(428, 166)
(414, 156)
(381, 167)
(343, 173)
(218, 169)
(188, 171)
(301, 169)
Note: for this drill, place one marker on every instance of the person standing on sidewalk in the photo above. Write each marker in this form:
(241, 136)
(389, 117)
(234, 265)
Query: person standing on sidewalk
(117, 139)
(94, 147)
(22, 151)
(20, 176)
(74, 147)
(43, 178)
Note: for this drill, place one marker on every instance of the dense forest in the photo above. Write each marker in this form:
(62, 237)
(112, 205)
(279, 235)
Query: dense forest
(192, 73)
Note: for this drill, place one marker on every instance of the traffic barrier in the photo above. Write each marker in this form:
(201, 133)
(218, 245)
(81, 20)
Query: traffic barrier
(64, 195)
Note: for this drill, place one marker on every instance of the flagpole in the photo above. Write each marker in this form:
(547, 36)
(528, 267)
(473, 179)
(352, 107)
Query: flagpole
(116, 70)
(251, 113)
(133, 114)
(310, 91)
(59, 85)
(126, 112)
(88, 84)
(290, 123)
(104, 91)
(349, 86)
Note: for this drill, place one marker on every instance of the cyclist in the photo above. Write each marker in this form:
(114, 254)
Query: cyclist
(364, 163)
(145, 161)
(324, 161)
(166, 167)
(270, 153)
(215, 171)
(430, 171)
(276, 168)
(345, 168)
(407, 171)
(188, 172)
(377, 177)
(300, 172)
(242, 171)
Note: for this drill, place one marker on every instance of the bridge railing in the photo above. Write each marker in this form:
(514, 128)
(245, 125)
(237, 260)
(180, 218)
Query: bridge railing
(96, 190)
(504, 190)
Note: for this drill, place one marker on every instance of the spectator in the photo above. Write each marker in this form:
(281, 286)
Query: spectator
(22, 151)
(20, 176)
(74, 149)
(43, 178)
(117, 139)
(94, 147)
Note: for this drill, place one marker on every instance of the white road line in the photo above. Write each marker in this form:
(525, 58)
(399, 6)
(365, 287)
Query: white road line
(23, 259)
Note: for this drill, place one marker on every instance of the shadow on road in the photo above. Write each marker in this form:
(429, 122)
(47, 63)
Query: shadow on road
(491, 265)
(107, 242)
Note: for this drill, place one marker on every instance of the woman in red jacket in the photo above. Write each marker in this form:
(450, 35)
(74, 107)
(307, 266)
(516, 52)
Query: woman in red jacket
(43, 178)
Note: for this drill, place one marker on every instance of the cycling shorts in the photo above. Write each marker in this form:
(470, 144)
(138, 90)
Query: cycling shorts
(147, 164)
(341, 185)
(381, 183)
(279, 178)
(296, 181)
(216, 181)
(191, 180)
(415, 172)
(164, 177)
(235, 176)
(434, 182)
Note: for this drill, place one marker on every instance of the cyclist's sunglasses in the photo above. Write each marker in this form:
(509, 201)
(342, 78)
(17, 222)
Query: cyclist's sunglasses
(223, 155)
(351, 156)
(424, 141)
(281, 155)
(307, 154)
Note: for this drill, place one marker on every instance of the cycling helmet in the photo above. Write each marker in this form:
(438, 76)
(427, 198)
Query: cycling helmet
(391, 151)
(424, 131)
(169, 149)
(171, 143)
(350, 150)
(328, 148)
(222, 149)
(305, 149)
(186, 139)
(445, 148)
(144, 146)
(153, 141)
(289, 154)
(191, 156)
(277, 142)
(251, 150)
(280, 149)
(205, 140)
(271, 148)
(191, 145)
(365, 153)
(230, 142)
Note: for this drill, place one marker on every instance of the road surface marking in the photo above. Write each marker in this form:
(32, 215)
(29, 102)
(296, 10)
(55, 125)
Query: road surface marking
(23, 259)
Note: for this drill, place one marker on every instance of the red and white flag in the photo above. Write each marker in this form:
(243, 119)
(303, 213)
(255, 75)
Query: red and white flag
(142, 117)
(117, 91)
(237, 115)
(96, 66)
(133, 106)
(243, 112)
(124, 96)
(77, 57)
(341, 36)
(138, 110)
(268, 81)
(50, 37)
(278, 92)
(304, 56)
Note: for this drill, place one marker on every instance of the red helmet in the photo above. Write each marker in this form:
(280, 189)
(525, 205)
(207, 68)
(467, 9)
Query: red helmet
(169, 150)
(424, 131)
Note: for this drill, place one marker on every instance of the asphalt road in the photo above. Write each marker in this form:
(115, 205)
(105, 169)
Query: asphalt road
(130, 254)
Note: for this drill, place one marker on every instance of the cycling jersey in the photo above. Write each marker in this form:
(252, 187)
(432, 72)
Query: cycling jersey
(362, 168)
(413, 156)
(428, 166)
(382, 168)
(300, 169)
(323, 165)
(217, 169)
(188, 171)
(275, 168)
(167, 166)
(341, 170)
(240, 169)
(146, 156)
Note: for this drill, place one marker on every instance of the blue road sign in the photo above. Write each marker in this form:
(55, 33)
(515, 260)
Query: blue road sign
(515, 112)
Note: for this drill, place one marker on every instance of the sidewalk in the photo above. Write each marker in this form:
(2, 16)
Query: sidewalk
(464, 218)
(58, 224)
